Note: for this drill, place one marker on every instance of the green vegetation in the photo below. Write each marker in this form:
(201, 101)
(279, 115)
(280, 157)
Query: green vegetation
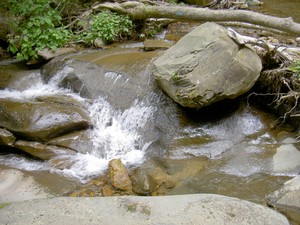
(37, 26)
(296, 68)
(109, 27)
(3, 205)
(175, 76)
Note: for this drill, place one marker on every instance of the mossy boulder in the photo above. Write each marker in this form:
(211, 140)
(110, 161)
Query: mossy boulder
(206, 66)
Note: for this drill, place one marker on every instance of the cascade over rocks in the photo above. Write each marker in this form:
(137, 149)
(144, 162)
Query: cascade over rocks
(206, 66)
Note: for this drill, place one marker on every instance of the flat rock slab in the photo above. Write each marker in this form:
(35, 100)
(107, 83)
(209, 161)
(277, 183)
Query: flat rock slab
(180, 209)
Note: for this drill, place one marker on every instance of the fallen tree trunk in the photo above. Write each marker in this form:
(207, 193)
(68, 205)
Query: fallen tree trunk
(138, 10)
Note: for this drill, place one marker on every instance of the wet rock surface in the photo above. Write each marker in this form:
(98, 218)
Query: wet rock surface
(41, 121)
(287, 199)
(42, 151)
(7, 138)
(119, 176)
(16, 186)
(79, 141)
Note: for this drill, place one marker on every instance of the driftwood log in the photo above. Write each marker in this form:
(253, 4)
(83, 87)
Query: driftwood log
(139, 10)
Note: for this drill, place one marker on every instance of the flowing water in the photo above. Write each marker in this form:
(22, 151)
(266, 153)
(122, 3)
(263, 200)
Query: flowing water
(289, 8)
(227, 149)
(211, 150)
(120, 139)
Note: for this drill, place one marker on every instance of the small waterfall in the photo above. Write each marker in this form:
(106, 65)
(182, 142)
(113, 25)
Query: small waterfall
(115, 133)
(36, 87)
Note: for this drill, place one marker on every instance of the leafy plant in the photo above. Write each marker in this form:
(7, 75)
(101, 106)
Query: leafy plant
(109, 27)
(152, 28)
(38, 26)
(296, 68)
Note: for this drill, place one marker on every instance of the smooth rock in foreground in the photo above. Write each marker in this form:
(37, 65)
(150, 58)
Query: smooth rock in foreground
(128, 210)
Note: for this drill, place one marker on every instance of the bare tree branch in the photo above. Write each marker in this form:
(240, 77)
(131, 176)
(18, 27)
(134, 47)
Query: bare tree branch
(138, 10)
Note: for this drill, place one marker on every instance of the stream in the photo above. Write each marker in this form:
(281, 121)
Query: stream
(206, 151)
(228, 148)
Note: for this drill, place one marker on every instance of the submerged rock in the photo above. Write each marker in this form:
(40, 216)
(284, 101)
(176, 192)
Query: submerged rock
(142, 182)
(151, 45)
(17, 186)
(42, 151)
(206, 66)
(41, 121)
(80, 141)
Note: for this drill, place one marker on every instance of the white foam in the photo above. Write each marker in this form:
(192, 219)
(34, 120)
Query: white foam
(116, 133)
(19, 162)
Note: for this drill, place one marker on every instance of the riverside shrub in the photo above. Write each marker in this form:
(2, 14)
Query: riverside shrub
(37, 26)
(109, 27)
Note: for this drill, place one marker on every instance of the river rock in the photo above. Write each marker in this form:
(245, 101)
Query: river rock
(49, 53)
(41, 121)
(42, 151)
(80, 141)
(142, 182)
(6, 137)
(287, 197)
(286, 159)
(151, 44)
(116, 74)
(118, 175)
(206, 66)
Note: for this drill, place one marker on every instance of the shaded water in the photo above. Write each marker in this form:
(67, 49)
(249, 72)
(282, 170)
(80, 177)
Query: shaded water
(288, 8)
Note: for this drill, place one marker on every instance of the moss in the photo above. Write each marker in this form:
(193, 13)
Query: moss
(146, 210)
(132, 207)
(3, 205)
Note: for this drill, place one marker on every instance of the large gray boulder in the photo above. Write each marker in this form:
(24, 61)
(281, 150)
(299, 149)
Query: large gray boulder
(128, 210)
(206, 66)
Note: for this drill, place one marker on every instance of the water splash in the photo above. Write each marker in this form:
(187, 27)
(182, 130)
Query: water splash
(115, 134)
(38, 87)
(19, 162)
